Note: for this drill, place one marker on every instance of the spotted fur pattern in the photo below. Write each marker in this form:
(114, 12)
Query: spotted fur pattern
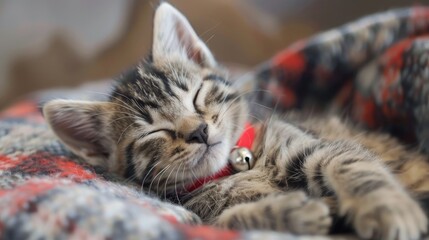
(174, 118)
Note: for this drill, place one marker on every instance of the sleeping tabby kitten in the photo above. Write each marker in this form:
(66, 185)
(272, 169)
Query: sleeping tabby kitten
(175, 118)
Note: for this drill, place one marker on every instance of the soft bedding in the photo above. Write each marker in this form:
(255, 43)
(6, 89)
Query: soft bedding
(374, 71)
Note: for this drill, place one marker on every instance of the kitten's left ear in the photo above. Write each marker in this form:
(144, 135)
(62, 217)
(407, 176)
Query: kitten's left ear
(173, 35)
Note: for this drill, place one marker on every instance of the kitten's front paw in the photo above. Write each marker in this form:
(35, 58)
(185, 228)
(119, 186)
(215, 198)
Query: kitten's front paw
(300, 215)
(291, 212)
(388, 215)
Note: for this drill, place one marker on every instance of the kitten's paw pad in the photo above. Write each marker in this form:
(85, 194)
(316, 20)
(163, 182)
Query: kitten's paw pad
(389, 216)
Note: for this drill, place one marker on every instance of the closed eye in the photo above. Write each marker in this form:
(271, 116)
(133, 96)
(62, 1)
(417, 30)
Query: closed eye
(195, 100)
(170, 132)
(196, 96)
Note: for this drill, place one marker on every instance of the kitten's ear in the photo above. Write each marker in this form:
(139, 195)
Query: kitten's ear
(173, 35)
(79, 125)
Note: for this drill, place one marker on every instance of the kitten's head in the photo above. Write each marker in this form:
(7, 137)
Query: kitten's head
(171, 119)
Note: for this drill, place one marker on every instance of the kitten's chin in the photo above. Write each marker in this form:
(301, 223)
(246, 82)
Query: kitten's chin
(215, 159)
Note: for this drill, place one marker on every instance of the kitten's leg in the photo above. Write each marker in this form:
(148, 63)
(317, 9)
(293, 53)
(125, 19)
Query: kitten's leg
(291, 212)
(368, 195)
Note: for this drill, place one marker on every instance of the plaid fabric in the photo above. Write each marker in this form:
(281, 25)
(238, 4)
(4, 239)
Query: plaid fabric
(376, 69)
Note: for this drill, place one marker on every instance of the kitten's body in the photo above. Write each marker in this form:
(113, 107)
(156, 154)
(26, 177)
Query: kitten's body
(175, 118)
(319, 157)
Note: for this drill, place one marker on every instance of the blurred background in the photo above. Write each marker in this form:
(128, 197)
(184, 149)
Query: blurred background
(59, 43)
(250, 31)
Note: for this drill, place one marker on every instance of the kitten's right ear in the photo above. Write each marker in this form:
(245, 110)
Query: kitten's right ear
(79, 125)
(174, 36)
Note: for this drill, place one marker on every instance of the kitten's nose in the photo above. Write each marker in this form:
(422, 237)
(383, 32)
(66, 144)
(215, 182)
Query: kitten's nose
(199, 135)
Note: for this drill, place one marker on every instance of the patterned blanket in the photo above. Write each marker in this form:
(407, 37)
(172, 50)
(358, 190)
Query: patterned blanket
(375, 70)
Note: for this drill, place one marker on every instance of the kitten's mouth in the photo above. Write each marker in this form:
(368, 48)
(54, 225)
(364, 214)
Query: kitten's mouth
(214, 144)
(208, 150)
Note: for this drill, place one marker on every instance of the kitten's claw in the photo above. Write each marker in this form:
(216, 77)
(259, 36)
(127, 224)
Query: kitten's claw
(388, 216)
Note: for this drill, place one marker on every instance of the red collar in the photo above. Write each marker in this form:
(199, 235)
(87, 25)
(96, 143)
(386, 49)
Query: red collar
(246, 140)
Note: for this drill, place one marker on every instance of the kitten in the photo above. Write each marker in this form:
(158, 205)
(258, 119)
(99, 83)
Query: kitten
(175, 117)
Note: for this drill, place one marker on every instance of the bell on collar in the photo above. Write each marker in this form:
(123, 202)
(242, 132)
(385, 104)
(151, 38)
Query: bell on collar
(241, 159)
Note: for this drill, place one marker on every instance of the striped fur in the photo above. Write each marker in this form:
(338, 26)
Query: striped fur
(171, 119)
(307, 170)
(324, 168)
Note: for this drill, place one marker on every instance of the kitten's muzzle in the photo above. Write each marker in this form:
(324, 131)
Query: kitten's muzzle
(199, 135)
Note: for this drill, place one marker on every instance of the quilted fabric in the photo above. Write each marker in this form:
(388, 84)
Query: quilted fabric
(375, 69)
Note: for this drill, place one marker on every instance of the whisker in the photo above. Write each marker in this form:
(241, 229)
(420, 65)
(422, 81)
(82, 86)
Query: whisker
(159, 180)
(160, 172)
(238, 97)
(166, 182)
(124, 104)
(118, 118)
(175, 184)
(148, 173)
(120, 136)
(210, 38)
(209, 30)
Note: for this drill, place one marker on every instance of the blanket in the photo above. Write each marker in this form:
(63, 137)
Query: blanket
(374, 70)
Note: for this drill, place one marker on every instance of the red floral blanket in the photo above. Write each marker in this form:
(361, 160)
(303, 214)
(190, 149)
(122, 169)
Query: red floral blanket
(376, 70)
